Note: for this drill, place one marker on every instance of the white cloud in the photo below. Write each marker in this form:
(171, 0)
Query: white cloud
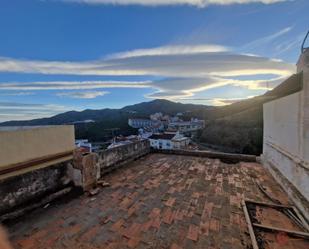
(170, 50)
(185, 70)
(289, 44)
(25, 111)
(266, 40)
(175, 65)
(227, 101)
(197, 3)
(169, 88)
(83, 95)
(71, 85)
(175, 88)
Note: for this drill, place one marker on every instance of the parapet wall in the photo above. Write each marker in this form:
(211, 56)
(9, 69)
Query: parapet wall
(21, 191)
(115, 157)
(224, 157)
(18, 191)
(286, 140)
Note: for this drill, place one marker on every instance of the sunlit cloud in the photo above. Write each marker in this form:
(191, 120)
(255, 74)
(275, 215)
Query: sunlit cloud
(175, 65)
(227, 101)
(71, 85)
(175, 88)
(196, 3)
(24, 111)
(214, 101)
(169, 88)
(183, 71)
(170, 50)
(83, 95)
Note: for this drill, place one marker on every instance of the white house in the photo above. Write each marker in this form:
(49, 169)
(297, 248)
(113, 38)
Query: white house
(146, 124)
(168, 141)
(187, 126)
(179, 141)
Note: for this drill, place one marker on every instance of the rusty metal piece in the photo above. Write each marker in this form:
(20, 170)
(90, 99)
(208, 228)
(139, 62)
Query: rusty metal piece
(303, 49)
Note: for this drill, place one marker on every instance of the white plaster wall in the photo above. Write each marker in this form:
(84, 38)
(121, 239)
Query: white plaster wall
(23, 144)
(283, 140)
(282, 123)
(165, 144)
(295, 173)
(286, 139)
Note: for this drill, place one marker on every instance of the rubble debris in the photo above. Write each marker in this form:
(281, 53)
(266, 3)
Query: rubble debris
(47, 205)
(94, 191)
(283, 222)
(288, 211)
(103, 183)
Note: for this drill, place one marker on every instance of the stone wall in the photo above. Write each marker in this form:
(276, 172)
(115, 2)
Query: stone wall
(115, 157)
(22, 191)
(224, 157)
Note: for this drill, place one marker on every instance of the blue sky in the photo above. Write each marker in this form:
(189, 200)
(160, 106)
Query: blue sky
(59, 55)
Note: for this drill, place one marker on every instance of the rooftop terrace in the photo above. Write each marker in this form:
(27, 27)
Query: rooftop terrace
(158, 201)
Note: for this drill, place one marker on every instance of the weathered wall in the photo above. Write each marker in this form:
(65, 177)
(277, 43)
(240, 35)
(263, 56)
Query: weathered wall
(224, 157)
(115, 157)
(286, 140)
(282, 123)
(85, 170)
(22, 144)
(20, 190)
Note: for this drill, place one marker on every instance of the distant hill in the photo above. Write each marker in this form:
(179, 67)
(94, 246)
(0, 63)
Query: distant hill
(233, 128)
(141, 110)
(238, 127)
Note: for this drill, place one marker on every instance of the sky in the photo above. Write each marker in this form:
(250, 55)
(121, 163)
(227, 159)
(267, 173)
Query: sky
(61, 55)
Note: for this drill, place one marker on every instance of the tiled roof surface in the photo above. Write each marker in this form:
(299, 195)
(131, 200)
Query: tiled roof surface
(160, 201)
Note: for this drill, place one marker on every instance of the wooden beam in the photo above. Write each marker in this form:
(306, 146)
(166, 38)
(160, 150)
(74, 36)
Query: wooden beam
(300, 220)
(303, 221)
(268, 204)
(270, 228)
(250, 227)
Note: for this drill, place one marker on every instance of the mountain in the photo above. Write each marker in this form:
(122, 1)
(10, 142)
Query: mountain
(107, 120)
(141, 110)
(237, 127)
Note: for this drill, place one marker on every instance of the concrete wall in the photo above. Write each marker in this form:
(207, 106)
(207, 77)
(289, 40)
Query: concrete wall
(20, 145)
(19, 191)
(286, 140)
(115, 157)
